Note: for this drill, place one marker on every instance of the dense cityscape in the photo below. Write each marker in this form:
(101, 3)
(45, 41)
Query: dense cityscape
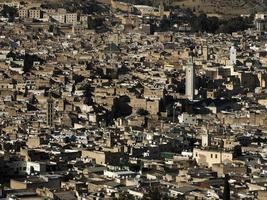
(105, 99)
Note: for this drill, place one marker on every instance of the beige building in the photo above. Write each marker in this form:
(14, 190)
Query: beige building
(23, 13)
(258, 119)
(152, 106)
(84, 19)
(50, 181)
(153, 93)
(121, 6)
(35, 142)
(35, 13)
(71, 18)
(60, 17)
(209, 157)
(263, 102)
(103, 158)
(236, 168)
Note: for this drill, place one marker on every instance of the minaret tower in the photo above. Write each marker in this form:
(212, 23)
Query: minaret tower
(161, 9)
(190, 80)
(233, 55)
(205, 51)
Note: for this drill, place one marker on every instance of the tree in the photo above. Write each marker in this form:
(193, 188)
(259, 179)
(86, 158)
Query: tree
(165, 24)
(67, 140)
(78, 78)
(125, 196)
(235, 24)
(152, 194)
(203, 23)
(73, 138)
(226, 190)
(88, 94)
(9, 12)
(121, 107)
(142, 112)
(155, 194)
(29, 60)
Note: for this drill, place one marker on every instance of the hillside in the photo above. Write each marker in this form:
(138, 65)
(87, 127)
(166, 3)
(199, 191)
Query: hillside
(224, 7)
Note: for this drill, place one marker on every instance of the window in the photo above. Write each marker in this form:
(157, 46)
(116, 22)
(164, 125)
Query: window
(211, 155)
(216, 156)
